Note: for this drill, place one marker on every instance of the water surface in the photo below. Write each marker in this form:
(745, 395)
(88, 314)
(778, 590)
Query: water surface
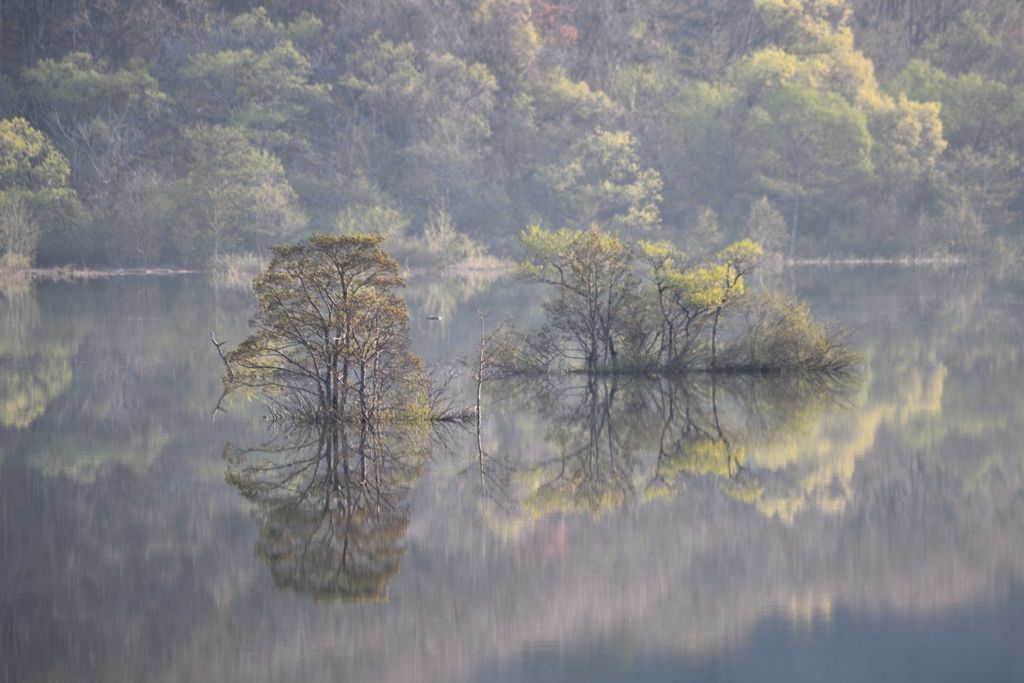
(669, 530)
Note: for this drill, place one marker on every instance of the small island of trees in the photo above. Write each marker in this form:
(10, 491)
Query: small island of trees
(331, 340)
(606, 318)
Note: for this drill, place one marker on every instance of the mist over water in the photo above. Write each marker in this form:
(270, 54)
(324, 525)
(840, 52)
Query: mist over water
(604, 529)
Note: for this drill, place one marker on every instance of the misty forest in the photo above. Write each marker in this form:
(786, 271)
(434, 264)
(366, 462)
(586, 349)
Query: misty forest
(187, 133)
(561, 340)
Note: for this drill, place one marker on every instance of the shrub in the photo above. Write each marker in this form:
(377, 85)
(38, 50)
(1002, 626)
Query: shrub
(778, 334)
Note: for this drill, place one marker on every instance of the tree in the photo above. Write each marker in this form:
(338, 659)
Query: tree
(262, 91)
(28, 160)
(449, 152)
(600, 180)
(693, 295)
(506, 38)
(103, 120)
(331, 352)
(34, 197)
(810, 149)
(602, 313)
(137, 231)
(779, 335)
(429, 123)
(233, 195)
(965, 43)
(19, 234)
(332, 338)
(593, 274)
(766, 226)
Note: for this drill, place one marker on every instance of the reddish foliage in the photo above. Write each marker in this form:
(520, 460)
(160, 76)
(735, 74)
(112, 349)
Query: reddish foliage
(551, 21)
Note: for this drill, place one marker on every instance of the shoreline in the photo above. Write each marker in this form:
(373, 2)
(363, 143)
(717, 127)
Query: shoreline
(68, 273)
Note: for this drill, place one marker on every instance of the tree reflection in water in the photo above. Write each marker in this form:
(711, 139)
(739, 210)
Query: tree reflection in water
(619, 441)
(332, 504)
(332, 500)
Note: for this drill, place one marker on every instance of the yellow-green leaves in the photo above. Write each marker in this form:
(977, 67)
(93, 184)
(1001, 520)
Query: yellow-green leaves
(604, 318)
(28, 160)
(592, 272)
(34, 198)
(600, 179)
(331, 339)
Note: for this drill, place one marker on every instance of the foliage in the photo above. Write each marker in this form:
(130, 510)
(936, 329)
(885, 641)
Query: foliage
(28, 160)
(692, 296)
(600, 180)
(349, 416)
(35, 200)
(647, 119)
(779, 335)
(261, 92)
(136, 232)
(331, 338)
(604, 320)
(101, 119)
(592, 273)
(233, 195)
(808, 148)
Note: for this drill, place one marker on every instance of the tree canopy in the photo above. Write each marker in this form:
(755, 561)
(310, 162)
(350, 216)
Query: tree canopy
(331, 338)
(872, 128)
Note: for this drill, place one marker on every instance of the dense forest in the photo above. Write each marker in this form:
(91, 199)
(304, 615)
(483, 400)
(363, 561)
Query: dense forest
(189, 132)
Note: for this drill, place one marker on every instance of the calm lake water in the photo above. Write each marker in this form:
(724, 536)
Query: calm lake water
(614, 531)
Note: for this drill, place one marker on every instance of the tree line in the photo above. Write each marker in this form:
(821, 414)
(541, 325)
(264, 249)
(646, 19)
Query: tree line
(179, 133)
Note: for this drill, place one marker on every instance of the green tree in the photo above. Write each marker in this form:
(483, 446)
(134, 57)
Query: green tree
(809, 149)
(766, 226)
(964, 44)
(331, 338)
(592, 272)
(693, 295)
(425, 124)
(448, 155)
(138, 229)
(103, 119)
(263, 92)
(600, 180)
(233, 195)
(28, 160)
(780, 335)
(34, 194)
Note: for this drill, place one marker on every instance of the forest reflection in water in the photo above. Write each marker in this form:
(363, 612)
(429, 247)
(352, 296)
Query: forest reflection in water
(890, 522)
(332, 499)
